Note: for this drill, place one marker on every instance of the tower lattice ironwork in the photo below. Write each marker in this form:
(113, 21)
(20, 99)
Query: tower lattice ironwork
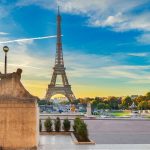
(59, 69)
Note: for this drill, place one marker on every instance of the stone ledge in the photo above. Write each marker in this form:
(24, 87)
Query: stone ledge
(81, 143)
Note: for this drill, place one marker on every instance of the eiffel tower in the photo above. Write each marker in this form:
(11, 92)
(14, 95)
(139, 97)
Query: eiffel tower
(59, 69)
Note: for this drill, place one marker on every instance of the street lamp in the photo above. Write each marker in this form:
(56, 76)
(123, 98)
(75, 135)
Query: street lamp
(5, 49)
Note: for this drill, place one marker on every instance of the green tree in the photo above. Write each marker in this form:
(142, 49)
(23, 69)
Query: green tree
(75, 102)
(98, 99)
(94, 104)
(57, 124)
(82, 132)
(147, 96)
(48, 124)
(140, 98)
(126, 102)
(49, 103)
(113, 102)
(107, 106)
(40, 125)
(143, 105)
(101, 106)
(149, 104)
(42, 102)
(66, 125)
(77, 121)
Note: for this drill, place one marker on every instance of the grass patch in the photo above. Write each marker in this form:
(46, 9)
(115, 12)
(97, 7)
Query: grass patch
(120, 113)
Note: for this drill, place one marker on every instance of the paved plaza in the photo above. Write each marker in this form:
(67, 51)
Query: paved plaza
(119, 131)
(108, 134)
(61, 142)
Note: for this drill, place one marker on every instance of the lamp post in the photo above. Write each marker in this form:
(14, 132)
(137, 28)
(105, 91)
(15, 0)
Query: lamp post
(5, 49)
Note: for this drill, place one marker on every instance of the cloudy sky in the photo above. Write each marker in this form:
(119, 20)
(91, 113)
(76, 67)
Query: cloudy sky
(106, 44)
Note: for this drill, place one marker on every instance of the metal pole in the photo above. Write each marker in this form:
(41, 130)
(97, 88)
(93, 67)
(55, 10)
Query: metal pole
(5, 63)
(5, 49)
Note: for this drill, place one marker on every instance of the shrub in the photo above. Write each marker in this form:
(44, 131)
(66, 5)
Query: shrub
(76, 123)
(48, 124)
(66, 125)
(57, 124)
(40, 125)
(82, 132)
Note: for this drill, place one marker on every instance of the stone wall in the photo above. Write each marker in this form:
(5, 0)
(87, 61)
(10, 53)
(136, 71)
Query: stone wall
(18, 124)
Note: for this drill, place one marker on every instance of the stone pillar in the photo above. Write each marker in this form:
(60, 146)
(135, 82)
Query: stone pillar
(89, 111)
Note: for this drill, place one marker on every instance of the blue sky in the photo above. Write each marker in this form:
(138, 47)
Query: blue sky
(106, 44)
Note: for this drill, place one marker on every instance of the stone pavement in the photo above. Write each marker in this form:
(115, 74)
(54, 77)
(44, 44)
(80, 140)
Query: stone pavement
(119, 131)
(64, 142)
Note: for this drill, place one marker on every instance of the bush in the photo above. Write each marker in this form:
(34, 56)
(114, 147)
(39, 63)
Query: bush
(80, 130)
(66, 125)
(40, 125)
(57, 124)
(76, 123)
(48, 124)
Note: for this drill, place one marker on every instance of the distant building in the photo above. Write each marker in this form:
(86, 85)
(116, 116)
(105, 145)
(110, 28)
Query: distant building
(133, 96)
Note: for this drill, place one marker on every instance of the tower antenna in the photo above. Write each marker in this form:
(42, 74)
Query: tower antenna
(58, 10)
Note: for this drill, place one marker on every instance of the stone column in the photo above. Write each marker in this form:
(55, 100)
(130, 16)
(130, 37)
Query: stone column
(89, 111)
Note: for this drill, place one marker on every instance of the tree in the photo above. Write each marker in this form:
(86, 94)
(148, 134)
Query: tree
(42, 102)
(80, 130)
(147, 96)
(113, 102)
(83, 101)
(66, 125)
(107, 106)
(140, 98)
(57, 124)
(40, 125)
(76, 123)
(149, 104)
(126, 102)
(101, 106)
(94, 104)
(48, 124)
(65, 102)
(143, 105)
(98, 99)
(49, 103)
(75, 102)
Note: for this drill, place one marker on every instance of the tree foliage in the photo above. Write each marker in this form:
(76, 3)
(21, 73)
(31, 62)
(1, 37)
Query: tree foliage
(66, 125)
(48, 124)
(57, 124)
(127, 102)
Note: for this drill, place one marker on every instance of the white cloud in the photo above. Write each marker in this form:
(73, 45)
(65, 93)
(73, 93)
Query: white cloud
(138, 54)
(116, 14)
(3, 33)
(130, 72)
(48, 4)
(144, 38)
(39, 67)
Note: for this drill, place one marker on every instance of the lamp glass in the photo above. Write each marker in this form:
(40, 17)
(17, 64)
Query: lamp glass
(5, 49)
